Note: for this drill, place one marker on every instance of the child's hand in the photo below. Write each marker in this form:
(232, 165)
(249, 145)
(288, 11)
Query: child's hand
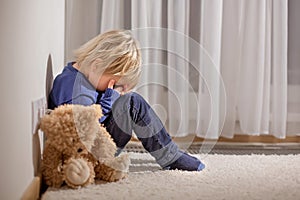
(122, 89)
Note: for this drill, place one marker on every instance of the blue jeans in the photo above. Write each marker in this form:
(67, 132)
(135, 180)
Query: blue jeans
(130, 113)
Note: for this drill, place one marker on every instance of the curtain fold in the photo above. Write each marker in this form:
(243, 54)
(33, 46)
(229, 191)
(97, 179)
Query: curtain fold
(178, 68)
(254, 85)
(230, 61)
(112, 15)
(279, 63)
(153, 45)
(212, 67)
(210, 55)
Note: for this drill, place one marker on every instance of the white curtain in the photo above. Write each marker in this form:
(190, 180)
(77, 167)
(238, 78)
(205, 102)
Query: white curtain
(256, 69)
(212, 67)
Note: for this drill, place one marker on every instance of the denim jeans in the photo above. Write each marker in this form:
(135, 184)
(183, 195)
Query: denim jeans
(130, 113)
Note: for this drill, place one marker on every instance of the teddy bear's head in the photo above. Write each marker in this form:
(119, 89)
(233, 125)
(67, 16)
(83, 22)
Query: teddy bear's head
(73, 128)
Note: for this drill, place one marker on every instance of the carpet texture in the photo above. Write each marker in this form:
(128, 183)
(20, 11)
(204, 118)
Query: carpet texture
(225, 177)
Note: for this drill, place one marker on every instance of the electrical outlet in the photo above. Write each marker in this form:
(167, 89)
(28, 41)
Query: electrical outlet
(38, 111)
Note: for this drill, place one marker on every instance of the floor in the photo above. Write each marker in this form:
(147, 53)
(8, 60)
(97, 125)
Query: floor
(226, 177)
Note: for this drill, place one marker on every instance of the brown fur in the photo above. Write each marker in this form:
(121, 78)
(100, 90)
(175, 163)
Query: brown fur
(74, 132)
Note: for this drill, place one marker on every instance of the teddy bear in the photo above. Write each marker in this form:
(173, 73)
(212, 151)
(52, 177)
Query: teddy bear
(78, 149)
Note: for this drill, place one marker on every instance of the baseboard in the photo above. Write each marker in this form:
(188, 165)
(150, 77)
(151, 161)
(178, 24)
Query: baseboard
(238, 138)
(32, 192)
(255, 139)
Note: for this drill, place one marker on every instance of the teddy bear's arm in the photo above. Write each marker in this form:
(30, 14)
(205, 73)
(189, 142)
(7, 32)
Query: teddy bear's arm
(52, 166)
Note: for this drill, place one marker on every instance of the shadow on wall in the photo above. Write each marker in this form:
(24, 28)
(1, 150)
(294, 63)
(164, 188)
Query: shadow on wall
(49, 76)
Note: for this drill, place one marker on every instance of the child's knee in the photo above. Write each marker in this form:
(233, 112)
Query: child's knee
(137, 100)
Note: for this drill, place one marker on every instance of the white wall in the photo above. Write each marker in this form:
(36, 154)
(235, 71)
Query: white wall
(30, 31)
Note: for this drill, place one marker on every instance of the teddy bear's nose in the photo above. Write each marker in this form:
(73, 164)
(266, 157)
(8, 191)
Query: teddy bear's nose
(79, 150)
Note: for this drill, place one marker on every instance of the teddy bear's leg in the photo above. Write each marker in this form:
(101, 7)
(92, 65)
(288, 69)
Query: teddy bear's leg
(103, 172)
(113, 169)
(52, 166)
(78, 172)
(104, 146)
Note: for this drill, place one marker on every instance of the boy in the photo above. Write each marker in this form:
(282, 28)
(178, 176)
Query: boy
(107, 67)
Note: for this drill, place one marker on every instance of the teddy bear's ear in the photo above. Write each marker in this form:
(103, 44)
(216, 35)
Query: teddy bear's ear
(86, 121)
(46, 124)
(51, 124)
(98, 110)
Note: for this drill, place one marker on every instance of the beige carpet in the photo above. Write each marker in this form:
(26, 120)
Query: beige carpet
(240, 177)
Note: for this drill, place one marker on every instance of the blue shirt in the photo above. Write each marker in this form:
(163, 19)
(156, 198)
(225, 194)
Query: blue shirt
(72, 87)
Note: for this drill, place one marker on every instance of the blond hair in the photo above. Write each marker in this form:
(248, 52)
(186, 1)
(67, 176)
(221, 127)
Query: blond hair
(116, 52)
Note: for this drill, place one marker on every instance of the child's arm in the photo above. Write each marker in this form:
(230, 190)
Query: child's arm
(107, 99)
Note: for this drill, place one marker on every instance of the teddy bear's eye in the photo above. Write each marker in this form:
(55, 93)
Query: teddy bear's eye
(79, 150)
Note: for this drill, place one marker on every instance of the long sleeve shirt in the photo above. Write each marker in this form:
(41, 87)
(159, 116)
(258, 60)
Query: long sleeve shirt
(72, 87)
